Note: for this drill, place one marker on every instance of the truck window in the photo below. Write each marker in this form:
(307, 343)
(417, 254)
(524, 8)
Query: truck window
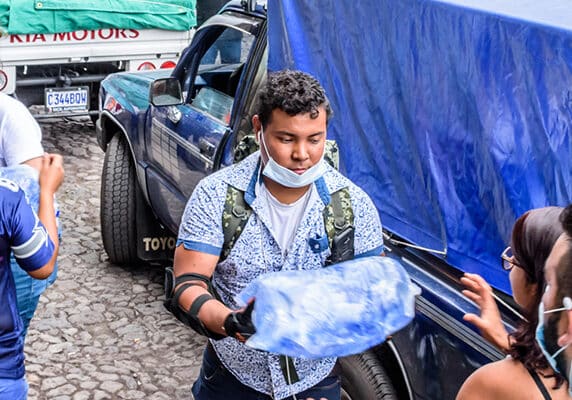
(221, 66)
(214, 103)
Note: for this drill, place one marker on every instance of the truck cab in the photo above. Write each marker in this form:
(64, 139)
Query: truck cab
(218, 74)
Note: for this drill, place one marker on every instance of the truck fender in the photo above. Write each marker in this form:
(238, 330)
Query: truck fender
(377, 373)
(108, 126)
(389, 357)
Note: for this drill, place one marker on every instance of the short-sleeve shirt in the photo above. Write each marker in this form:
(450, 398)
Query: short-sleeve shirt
(257, 252)
(22, 233)
(20, 134)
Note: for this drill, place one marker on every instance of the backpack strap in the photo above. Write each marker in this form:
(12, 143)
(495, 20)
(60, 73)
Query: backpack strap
(338, 217)
(234, 217)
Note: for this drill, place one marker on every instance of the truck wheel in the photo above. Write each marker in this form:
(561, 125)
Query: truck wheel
(117, 212)
(363, 378)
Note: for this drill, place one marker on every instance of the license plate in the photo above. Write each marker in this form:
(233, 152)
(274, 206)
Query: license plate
(66, 99)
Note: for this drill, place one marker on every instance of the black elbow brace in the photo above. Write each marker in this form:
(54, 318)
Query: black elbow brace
(191, 317)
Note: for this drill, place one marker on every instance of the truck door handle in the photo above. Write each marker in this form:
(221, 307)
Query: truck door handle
(206, 147)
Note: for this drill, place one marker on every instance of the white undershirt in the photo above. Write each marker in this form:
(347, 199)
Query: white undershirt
(285, 218)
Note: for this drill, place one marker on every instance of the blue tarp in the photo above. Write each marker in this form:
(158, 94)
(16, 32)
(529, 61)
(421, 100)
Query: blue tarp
(453, 115)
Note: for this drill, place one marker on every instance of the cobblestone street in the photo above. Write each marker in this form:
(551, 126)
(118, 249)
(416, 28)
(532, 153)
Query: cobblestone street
(101, 332)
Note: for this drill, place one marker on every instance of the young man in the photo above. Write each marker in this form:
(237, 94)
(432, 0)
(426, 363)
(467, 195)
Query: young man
(21, 144)
(287, 185)
(554, 332)
(33, 240)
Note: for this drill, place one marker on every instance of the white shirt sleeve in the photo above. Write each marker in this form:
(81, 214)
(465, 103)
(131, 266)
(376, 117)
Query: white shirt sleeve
(20, 133)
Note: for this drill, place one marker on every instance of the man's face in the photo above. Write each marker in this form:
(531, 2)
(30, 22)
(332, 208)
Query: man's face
(295, 142)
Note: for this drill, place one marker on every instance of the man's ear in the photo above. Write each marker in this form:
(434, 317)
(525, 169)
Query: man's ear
(256, 126)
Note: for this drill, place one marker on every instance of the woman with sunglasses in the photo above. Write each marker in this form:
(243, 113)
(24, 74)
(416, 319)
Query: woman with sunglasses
(525, 373)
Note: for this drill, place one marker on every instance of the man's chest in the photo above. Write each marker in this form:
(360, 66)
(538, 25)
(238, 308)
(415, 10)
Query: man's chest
(257, 251)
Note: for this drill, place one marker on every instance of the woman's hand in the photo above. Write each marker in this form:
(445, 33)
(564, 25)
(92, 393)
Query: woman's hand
(489, 322)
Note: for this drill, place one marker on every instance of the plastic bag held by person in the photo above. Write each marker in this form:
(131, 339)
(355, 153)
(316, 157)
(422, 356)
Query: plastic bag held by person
(335, 311)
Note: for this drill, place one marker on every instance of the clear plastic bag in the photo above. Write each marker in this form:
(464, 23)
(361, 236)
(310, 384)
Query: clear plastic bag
(335, 311)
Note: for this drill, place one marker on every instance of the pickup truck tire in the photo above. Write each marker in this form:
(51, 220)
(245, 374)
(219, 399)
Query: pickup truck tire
(363, 378)
(118, 191)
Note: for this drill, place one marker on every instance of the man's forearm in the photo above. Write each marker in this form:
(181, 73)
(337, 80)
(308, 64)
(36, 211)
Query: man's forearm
(47, 215)
(212, 313)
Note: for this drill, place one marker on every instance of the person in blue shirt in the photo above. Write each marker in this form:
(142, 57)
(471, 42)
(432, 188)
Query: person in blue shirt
(33, 240)
(21, 155)
(28, 289)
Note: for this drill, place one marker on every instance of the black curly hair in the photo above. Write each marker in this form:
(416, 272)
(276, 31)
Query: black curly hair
(533, 236)
(294, 92)
(566, 220)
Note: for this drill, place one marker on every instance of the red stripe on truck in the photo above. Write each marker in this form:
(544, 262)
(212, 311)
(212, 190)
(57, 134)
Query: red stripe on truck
(77, 36)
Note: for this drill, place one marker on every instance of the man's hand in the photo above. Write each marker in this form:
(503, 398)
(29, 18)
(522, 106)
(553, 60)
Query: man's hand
(51, 177)
(239, 325)
(52, 173)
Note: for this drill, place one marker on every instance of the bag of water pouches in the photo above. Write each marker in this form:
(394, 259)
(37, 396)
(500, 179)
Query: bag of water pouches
(330, 312)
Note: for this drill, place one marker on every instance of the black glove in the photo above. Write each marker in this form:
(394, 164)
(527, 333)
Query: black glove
(239, 324)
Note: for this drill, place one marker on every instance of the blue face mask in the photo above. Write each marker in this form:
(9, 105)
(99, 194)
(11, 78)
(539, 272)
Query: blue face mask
(557, 358)
(287, 178)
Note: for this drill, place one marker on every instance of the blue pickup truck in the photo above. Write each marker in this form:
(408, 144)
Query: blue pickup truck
(454, 115)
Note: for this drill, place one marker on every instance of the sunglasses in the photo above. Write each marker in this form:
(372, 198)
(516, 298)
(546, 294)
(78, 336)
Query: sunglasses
(507, 259)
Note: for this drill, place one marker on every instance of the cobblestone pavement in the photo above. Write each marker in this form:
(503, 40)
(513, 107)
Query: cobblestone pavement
(101, 332)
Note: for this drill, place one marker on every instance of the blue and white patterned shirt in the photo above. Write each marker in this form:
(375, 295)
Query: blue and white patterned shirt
(256, 252)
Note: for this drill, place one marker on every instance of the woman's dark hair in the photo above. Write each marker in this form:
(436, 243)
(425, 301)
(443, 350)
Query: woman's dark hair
(564, 271)
(293, 92)
(566, 220)
(533, 235)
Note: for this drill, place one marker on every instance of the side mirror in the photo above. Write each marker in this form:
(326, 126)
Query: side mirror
(165, 92)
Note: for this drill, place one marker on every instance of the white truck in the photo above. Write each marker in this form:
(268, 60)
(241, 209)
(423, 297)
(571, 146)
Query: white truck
(62, 70)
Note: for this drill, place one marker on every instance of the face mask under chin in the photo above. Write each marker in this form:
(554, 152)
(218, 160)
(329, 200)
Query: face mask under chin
(287, 178)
